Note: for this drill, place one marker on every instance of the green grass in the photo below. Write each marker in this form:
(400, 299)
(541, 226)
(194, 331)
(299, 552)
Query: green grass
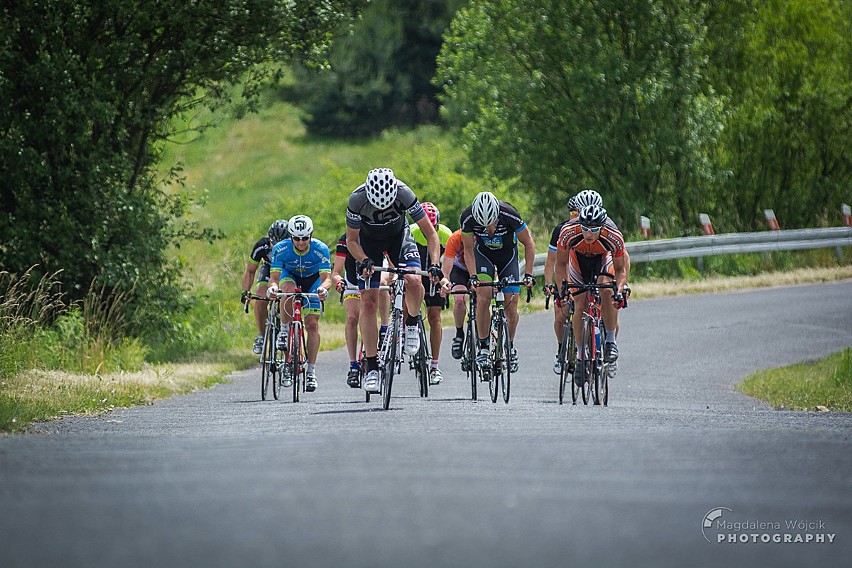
(826, 383)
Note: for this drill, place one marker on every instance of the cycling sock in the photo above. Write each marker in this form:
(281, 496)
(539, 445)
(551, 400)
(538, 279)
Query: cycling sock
(353, 364)
(373, 363)
(433, 364)
(460, 332)
(410, 320)
(610, 336)
(383, 329)
(311, 367)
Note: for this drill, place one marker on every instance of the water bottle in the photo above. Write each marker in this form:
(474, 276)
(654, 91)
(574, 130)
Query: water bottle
(598, 346)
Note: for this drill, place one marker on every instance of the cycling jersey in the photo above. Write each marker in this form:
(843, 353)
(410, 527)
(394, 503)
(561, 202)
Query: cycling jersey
(455, 248)
(610, 240)
(342, 250)
(554, 236)
(291, 263)
(504, 241)
(382, 223)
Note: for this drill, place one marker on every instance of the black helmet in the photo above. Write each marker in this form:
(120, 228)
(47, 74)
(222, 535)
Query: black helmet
(592, 216)
(278, 230)
(572, 204)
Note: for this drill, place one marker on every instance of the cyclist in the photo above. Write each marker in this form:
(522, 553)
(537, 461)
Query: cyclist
(344, 264)
(491, 230)
(455, 270)
(560, 307)
(375, 226)
(259, 257)
(434, 301)
(301, 261)
(588, 245)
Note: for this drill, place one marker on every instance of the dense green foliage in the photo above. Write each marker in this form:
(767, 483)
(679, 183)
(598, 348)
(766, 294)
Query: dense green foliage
(669, 109)
(88, 90)
(380, 70)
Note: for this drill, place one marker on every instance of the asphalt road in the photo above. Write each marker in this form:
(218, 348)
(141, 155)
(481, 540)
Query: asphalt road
(219, 478)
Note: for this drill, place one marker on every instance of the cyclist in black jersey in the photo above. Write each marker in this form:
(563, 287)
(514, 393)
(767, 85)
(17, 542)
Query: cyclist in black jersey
(491, 230)
(259, 258)
(376, 226)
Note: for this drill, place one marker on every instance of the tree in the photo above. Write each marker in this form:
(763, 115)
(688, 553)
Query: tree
(89, 89)
(565, 95)
(380, 70)
(785, 67)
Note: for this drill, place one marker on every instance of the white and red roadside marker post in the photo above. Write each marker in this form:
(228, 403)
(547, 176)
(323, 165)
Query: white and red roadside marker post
(847, 214)
(706, 225)
(771, 220)
(645, 225)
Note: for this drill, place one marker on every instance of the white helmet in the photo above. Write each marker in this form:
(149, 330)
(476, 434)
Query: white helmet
(588, 197)
(300, 226)
(486, 208)
(381, 188)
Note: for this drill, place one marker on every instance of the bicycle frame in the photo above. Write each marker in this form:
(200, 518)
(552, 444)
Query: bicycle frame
(567, 350)
(499, 369)
(297, 352)
(595, 373)
(271, 364)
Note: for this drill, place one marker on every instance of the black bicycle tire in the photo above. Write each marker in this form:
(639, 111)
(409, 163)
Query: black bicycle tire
(267, 363)
(470, 353)
(423, 359)
(564, 357)
(506, 376)
(494, 380)
(295, 362)
(587, 361)
(389, 365)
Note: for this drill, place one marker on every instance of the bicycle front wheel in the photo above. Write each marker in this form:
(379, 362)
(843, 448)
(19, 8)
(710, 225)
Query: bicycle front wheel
(588, 349)
(469, 357)
(566, 360)
(297, 349)
(267, 362)
(506, 351)
(421, 361)
(389, 365)
(495, 365)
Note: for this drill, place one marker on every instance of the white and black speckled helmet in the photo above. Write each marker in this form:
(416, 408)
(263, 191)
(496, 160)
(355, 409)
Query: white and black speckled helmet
(381, 188)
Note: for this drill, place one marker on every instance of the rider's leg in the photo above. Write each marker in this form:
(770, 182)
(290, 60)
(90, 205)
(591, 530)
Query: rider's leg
(433, 314)
(313, 337)
(352, 305)
(367, 321)
(261, 309)
(414, 293)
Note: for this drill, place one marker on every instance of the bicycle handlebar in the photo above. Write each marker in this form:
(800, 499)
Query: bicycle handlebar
(402, 271)
(504, 283)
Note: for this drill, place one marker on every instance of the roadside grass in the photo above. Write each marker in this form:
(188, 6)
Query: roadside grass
(37, 395)
(826, 383)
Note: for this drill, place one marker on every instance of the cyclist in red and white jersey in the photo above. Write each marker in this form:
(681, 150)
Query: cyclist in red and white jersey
(588, 245)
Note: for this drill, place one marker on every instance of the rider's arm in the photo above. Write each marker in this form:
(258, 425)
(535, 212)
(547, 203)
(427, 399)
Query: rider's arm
(433, 243)
(549, 264)
(469, 258)
(621, 264)
(248, 275)
(529, 248)
(337, 270)
(561, 268)
(354, 245)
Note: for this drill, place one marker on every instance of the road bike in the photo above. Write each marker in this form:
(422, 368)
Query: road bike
(390, 351)
(297, 359)
(499, 369)
(567, 353)
(271, 363)
(595, 370)
(419, 362)
(468, 360)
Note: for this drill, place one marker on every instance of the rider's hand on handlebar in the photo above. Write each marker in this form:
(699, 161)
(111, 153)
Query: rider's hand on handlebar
(244, 297)
(435, 273)
(272, 291)
(474, 282)
(340, 285)
(365, 268)
(618, 301)
(322, 293)
(529, 281)
(549, 289)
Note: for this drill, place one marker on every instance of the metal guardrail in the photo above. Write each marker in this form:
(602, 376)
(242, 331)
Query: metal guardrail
(729, 243)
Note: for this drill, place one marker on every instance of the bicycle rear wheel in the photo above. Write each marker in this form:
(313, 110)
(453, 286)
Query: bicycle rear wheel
(267, 363)
(493, 366)
(588, 348)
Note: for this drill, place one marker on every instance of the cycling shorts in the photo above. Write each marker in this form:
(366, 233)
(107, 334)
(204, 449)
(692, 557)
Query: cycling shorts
(401, 252)
(582, 268)
(309, 285)
(504, 267)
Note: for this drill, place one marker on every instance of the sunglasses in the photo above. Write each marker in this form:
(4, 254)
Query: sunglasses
(301, 238)
(590, 229)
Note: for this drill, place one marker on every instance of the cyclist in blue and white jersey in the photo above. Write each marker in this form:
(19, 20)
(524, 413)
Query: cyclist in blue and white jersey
(302, 261)
(491, 230)
(259, 258)
(375, 227)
